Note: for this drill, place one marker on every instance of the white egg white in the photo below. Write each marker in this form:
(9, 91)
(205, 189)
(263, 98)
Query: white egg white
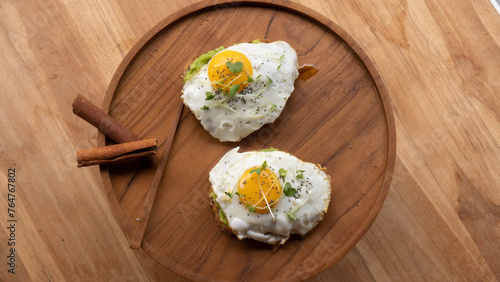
(308, 205)
(248, 111)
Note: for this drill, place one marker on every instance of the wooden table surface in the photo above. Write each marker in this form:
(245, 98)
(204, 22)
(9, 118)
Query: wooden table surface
(441, 64)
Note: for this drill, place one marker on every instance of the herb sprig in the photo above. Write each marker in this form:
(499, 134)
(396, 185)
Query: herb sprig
(259, 169)
(291, 214)
(282, 172)
(300, 174)
(234, 88)
(250, 208)
(273, 107)
(289, 190)
(280, 59)
(235, 67)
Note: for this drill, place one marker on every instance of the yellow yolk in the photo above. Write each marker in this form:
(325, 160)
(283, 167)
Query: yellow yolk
(222, 77)
(261, 191)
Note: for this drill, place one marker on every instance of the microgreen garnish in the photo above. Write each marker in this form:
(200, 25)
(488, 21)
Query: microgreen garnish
(291, 215)
(250, 208)
(239, 194)
(250, 80)
(256, 170)
(209, 95)
(257, 77)
(270, 149)
(281, 59)
(289, 191)
(235, 67)
(260, 169)
(229, 194)
(205, 108)
(233, 89)
(300, 174)
(264, 165)
(282, 172)
(273, 107)
(269, 80)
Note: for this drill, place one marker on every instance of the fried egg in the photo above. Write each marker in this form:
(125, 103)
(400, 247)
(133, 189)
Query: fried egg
(270, 194)
(240, 88)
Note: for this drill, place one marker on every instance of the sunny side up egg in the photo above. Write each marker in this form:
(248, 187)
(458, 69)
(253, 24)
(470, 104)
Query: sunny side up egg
(268, 195)
(240, 88)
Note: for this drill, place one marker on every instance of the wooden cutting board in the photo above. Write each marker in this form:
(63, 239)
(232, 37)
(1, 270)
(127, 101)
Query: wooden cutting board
(341, 118)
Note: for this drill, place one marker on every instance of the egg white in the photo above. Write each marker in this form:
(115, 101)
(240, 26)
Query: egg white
(244, 115)
(309, 204)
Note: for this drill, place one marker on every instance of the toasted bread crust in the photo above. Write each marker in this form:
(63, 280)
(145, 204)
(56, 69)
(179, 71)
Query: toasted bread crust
(215, 210)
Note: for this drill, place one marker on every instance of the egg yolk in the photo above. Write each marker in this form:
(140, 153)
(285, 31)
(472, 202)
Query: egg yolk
(220, 74)
(260, 191)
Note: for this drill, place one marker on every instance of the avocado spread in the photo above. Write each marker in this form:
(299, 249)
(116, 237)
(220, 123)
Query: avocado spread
(222, 215)
(199, 62)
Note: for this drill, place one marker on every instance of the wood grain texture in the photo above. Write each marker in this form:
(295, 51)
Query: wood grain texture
(440, 62)
(340, 119)
(142, 223)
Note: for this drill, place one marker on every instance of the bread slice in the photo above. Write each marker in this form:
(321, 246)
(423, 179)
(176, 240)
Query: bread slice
(217, 213)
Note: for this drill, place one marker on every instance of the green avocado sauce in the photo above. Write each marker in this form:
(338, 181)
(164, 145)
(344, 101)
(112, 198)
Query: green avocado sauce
(222, 215)
(199, 62)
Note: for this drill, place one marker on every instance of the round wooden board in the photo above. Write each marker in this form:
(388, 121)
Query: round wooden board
(341, 118)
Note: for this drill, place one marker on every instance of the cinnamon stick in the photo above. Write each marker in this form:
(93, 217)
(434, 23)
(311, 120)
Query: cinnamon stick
(116, 153)
(105, 123)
